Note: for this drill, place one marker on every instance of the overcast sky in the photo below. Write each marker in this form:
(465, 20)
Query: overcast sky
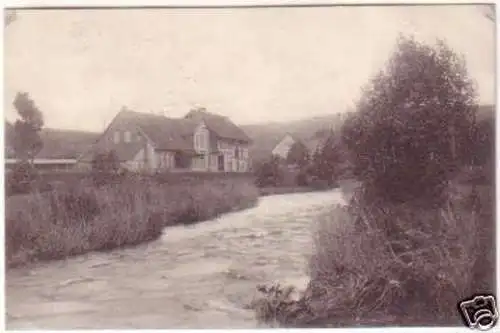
(253, 65)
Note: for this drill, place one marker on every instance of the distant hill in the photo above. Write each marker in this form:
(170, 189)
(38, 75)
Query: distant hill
(266, 136)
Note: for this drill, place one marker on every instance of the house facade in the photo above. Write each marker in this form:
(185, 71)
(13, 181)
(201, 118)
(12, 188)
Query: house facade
(200, 141)
(283, 147)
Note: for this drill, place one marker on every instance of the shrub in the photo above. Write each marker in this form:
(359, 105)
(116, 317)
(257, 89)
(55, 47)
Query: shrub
(105, 168)
(21, 179)
(326, 162)
(269, 173)
(414, 124)
(412, 273)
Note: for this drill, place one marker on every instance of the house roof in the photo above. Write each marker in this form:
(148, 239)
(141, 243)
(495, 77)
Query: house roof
(177, 133)
(220, 125)
(165, 133)
(64, 144)
(57, 143)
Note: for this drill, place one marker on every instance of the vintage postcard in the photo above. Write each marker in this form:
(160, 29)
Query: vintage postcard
(318, 166)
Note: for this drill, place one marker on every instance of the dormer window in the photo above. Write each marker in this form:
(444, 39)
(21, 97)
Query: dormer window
(127, 136)
(116, 137)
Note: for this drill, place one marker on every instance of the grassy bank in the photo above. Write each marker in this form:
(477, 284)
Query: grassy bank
(66, 222)
(393, 265)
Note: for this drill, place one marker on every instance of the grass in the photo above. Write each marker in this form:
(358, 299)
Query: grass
(392, 265)
(67, 222)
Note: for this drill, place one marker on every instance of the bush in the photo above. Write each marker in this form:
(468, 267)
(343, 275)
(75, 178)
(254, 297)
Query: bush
(105, 168)
(45, 226)
(326, 162)
(393, 265)
(269, 173)
(21, 179)
(414, 124)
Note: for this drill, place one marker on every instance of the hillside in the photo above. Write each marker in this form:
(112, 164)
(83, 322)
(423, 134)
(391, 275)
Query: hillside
(266, 136)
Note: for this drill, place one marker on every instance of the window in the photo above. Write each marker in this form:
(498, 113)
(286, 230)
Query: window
(116, 137)
(236, 152)
(127, 136)
(197, 141)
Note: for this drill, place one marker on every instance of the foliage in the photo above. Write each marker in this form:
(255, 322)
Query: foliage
(105, 167)
(298, 154)
(269, 173)
(27, 140)
(484, 144)
(414, 123)
(20, 179)
(66, 222)
(394, 265)
(326, 161)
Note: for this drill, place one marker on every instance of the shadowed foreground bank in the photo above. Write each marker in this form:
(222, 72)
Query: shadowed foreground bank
(360, 276)
(67, 222)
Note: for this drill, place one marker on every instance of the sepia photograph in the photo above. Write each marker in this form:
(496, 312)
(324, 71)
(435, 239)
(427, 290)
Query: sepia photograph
(225, 167)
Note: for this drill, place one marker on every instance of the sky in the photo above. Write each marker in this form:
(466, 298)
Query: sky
(253, 65)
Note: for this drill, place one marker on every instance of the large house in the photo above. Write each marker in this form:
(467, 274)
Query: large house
(200, 141)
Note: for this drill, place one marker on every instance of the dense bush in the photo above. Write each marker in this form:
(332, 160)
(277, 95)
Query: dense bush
(326, 162)
(105, 168)
(414, 125)
(43, 226)
(392, 265)
(269, 173)
(21, 179)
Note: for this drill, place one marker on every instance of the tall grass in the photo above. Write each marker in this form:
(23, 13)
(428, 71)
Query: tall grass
(65, 222)
(394, 265)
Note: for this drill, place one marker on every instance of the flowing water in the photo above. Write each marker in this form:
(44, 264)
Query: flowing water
(201, 276)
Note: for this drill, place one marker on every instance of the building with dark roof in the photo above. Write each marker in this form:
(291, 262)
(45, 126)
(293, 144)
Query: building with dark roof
(200, 141)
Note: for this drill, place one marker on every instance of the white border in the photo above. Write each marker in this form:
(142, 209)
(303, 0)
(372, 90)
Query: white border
(239, 3)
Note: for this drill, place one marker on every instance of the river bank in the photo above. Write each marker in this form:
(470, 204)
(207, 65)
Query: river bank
(68, 222)
(199, 276)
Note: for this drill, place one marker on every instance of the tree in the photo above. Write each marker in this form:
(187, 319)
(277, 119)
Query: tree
(27, 140)
(326, 160)
(298, 154)
(414, 123)
(269, 173)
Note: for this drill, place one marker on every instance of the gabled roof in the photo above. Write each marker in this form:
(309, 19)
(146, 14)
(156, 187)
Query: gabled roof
(64, 144)
(165, 133)
(220, 125)
(57, 143)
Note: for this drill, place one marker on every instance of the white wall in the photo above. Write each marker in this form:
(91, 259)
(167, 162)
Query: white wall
(283, 147)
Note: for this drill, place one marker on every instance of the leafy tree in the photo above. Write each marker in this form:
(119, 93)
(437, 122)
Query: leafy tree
(298, 154)
(269, 173)
(414, 123)
(326, 160)
(27, 140)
